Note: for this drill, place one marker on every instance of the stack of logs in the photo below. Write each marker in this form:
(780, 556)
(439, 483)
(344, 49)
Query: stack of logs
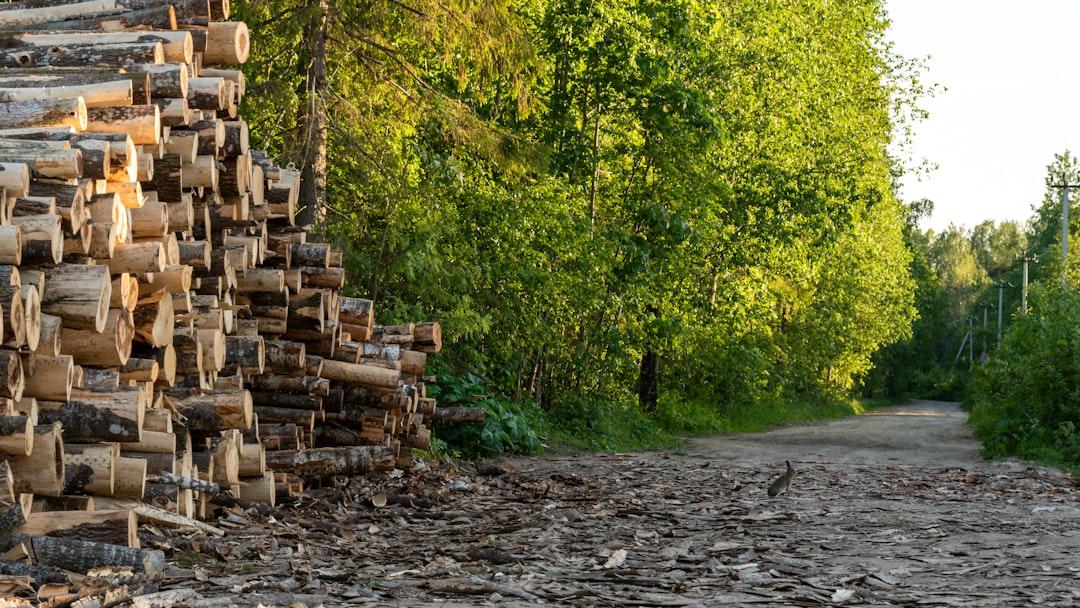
(170, 340)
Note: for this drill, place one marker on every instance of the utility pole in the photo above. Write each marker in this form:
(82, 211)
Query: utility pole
(971, 342)
(1001, 285)
(986, 306)
(1027, 259)
(1065, 187)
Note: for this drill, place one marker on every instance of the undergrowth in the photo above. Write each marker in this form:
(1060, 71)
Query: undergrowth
(608, 424)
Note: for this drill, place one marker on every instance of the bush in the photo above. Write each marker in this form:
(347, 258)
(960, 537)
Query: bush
(508, 428)
(1026, 401)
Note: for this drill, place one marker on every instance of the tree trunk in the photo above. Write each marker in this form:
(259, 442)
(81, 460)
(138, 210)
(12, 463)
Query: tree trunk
(311, 132)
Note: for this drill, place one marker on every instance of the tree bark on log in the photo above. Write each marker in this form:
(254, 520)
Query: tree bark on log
(44, 113)
(322, 462)
(451, 415)
(82, 556)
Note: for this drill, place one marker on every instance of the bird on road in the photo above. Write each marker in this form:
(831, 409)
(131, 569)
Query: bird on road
(783, 483)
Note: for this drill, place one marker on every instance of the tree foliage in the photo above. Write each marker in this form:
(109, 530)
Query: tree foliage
(577, 189)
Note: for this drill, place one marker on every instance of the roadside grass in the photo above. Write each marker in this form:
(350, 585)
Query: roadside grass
(682, 417)
(615, 423)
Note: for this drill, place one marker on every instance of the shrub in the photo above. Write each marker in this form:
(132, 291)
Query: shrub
(1026, 401)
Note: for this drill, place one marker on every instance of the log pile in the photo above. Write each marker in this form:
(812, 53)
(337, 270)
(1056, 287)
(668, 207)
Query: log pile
(170, 338)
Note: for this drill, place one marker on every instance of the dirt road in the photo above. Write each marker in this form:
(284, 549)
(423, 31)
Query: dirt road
(892, 508)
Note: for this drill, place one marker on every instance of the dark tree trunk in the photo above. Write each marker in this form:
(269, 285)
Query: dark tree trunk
(649, 373)
(649, 381)
(311, 124)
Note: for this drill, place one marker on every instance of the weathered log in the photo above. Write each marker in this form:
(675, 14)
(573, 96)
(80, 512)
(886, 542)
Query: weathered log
(92, 420)
(246, 353)
(142, 122)
(100, 459)
(16, 436)
(452, 415)
(42, 238)
(322, 462)
(304, 419)
(12, 378)
(213, 411)
(44, 113)
(287, 400)
(79, 295)
(117, 55)
(159, 17)
(82, 556)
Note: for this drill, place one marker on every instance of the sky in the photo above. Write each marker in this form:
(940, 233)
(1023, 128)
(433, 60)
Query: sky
(1011, 70)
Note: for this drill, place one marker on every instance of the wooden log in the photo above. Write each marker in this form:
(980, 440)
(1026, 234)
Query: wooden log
(453, 415)
(323, 462)
(154, 322)
(356, 311)
(16, 436)
(333, 278)
(79, 295)
(138, 258)
(10, 244)
(177, 45)
(140, 122)
(226, 42)
(270, 382)
(168, 83)
(206, 93)
(100, 378)
(117, 55)
(287, 400)
(98, 415)
(52, 377)
(360, 374)
(41, 472)
(152, 219)
(100, 459)
(82, 556)
(260, 489)
(96, 90)
(140, 370)
(246, 353)
(213, 411)
(42, 238)
(304, 419)
(44, 113)
(214, 348)
(49, 343)
(45, 161)
(200, 173)
(89, 347)
(13, 322)
(168, 175)
(315, 255)
(161, 17)
(7, 481)
(32, 315)
(48, 523)
(285, 356)
(130, 478)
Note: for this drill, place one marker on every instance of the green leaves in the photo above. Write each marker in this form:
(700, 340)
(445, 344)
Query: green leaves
(569, 184)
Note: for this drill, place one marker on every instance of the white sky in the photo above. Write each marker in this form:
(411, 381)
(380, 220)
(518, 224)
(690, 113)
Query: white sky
(1012, 73)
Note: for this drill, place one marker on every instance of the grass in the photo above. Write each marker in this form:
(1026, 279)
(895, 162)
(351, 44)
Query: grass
(696, 418)
(611, 427)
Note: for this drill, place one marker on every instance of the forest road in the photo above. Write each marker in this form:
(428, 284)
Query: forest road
(889, 508)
